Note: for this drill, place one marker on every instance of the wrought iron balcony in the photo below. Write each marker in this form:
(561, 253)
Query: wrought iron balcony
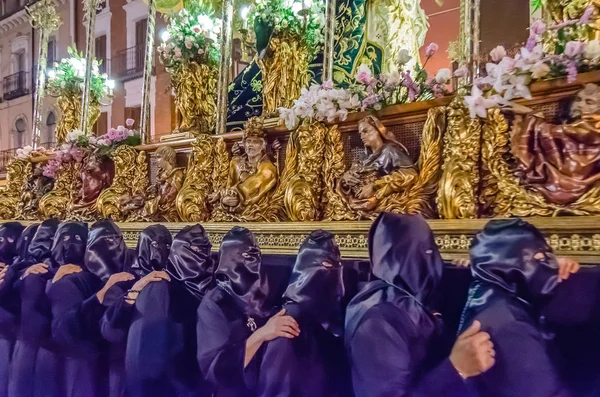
(129, 63)
(15, 85)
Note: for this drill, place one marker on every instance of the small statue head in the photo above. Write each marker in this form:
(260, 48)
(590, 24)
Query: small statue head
(254, 142)
(166, 157)
(586, 102)
(38, 169)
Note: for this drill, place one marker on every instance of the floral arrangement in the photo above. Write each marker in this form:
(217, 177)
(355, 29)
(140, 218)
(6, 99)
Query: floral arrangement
(27, 152)
(290, 17)
(508, 78)
(191, 36)
(67, 77)
(323, 102)
(78, 145)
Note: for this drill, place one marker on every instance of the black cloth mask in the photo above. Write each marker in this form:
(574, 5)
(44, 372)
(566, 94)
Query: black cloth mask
(25, 241)
(240, 272)
(106, 251)
(152, 250)
(317, 283)
(40, 247)
(9, 237)
(409, 268)
(69, 244)
(513, 255)
(190, 261)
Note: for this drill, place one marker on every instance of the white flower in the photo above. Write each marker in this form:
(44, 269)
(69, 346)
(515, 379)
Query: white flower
(363, 74)
(498, 53)
(403, 57)
(477, 104)
(518, 87)
(74, 135)
(592, 50)
(540, 70)
(342, 114)
(289, 117)
(393, 79)
(443, 76)
(93, 140)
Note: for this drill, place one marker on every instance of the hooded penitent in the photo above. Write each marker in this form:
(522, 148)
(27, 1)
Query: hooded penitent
(240, 272)
(69, 244)
(514, 256)
(9, 236)
(408, 266)
(316, 284)
(190, 262)
(152, 250)
(25, 241)
(40, 247)
(106, 251)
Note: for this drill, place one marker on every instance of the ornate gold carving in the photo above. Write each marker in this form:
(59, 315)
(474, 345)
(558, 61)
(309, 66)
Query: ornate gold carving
(302, 180)
(56, 203)
(96, 175)
(502, 191)
(284, 72)
(37, 186)
(195, 94)
(336, 208)
(18, 173)
(70, 113)
(457, 192)
(131, 178)
(192, 200)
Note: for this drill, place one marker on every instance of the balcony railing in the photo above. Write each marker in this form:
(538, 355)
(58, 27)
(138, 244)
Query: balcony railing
(15, 85)
(129, 63)
(5, 157)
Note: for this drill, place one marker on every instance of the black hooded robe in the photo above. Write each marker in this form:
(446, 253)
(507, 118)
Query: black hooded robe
(509, 287)
(164, 356)
(10, 247)
(35, 314)
(229, 314)
(392, 337)
(314, 363)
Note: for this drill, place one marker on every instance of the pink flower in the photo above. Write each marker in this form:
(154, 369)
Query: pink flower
(129, 122)
(364, 74)
(431, 50)
(498, 53)
(585, 18)
(188, 43)
(200, 51)
(507, 64)
(328, 85)
(462, 71)
(112, 134)
(538, 28)
(574, 48)
(196, 29)
(177, 53)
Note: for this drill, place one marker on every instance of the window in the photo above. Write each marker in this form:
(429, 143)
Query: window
(20, 126)
(20, 58)
(101, 52)
(101, 125)
(140, 32)
(48, 138)
(51, 53)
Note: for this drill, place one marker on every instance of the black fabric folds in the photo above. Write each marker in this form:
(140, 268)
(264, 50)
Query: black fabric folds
(152, 250)
(106, 251)
(316, 284)
(240, 272)
(40, 247)
(9, 236)
(69, 244)
(25, 241)
(513, 255)
(190, 261)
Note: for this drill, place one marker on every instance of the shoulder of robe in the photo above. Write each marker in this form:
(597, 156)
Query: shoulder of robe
(501, 314)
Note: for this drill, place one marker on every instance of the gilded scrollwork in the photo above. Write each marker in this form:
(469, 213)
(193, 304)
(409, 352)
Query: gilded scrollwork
(457, 192)
(70, 112)
(18, 173)
(131, 178)
(192, 200)
(56, 203)
(37, 186)
(195, 86)
(336, 208)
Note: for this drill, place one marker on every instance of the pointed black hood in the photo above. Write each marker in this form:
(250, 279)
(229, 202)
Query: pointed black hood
(152, 250)
(240, 272)
(9, 238)
(40, 247)
(190, 261)
(69, 244)
(513, 255)
(106, 252)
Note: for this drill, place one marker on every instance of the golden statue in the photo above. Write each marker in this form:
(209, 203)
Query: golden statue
(386, 178)
(252, 177)
(559, 11)
(17, 175)
(557, 165)
(96, 175)
(37, 186)
(158, 202)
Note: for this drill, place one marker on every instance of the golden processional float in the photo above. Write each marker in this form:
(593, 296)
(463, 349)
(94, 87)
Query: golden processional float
(351, 125)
